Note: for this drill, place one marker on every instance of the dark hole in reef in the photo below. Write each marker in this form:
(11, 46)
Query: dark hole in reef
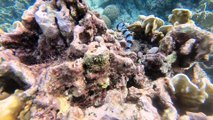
(158, 104)
(91, 93)
(79, 99)
(132, 82)
(11, 82)
(85, 37)
(82, 102)
(153, 73)
(29, 60)
(207, 109)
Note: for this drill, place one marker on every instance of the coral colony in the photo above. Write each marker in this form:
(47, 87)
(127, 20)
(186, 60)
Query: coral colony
(62, 61)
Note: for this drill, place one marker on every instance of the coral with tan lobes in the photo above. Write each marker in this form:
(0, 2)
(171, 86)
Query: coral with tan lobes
(61, 62)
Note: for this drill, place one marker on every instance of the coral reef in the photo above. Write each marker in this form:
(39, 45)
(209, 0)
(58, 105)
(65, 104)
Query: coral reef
(62, 62)
(185, 36)
(194, 93)
(129, 10)
(204, 19)
(180, 16)
(204, 14)
(111, 11)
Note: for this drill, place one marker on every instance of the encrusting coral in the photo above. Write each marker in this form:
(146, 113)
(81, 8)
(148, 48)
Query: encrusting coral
(68, 65)
(180, 16)
(203, 15)
(188, 93)
(193, 89)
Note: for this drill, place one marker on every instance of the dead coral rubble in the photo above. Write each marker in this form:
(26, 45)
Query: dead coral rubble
(68, 65)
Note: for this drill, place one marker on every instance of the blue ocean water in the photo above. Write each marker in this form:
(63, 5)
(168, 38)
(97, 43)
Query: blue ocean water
(12, 10)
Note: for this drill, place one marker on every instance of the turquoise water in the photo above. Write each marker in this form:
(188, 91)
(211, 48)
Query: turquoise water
(12, 10)
(130, 9)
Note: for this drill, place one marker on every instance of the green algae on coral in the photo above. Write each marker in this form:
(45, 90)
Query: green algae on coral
(94, 63)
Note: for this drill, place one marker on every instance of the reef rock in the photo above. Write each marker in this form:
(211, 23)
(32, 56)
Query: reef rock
(180, 16)
(65, 64)
(187, 39)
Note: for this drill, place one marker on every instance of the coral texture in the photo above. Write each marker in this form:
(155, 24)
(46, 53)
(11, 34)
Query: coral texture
(111, 11)
(63, 63)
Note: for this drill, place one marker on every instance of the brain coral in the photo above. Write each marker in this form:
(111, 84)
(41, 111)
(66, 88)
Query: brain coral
(111, 11)
(106, 20)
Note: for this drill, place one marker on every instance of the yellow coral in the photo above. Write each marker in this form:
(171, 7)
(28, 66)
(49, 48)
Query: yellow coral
(64, 105)
(136, 27)
(1, 31)
(188, 93)
(148, 24)
(165, 28)
(180, 16)
(25, 113)
(10, 108)
(151, 23)
(209, 90)
(204, 19)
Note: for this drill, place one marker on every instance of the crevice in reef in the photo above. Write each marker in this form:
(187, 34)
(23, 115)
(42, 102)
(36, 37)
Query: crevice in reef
(10, 82)
(157, 103)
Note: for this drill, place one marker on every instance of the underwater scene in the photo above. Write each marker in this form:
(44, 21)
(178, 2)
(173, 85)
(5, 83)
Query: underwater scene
(106, 59)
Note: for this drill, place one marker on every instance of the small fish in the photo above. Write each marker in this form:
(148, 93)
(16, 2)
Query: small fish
(121, 27)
